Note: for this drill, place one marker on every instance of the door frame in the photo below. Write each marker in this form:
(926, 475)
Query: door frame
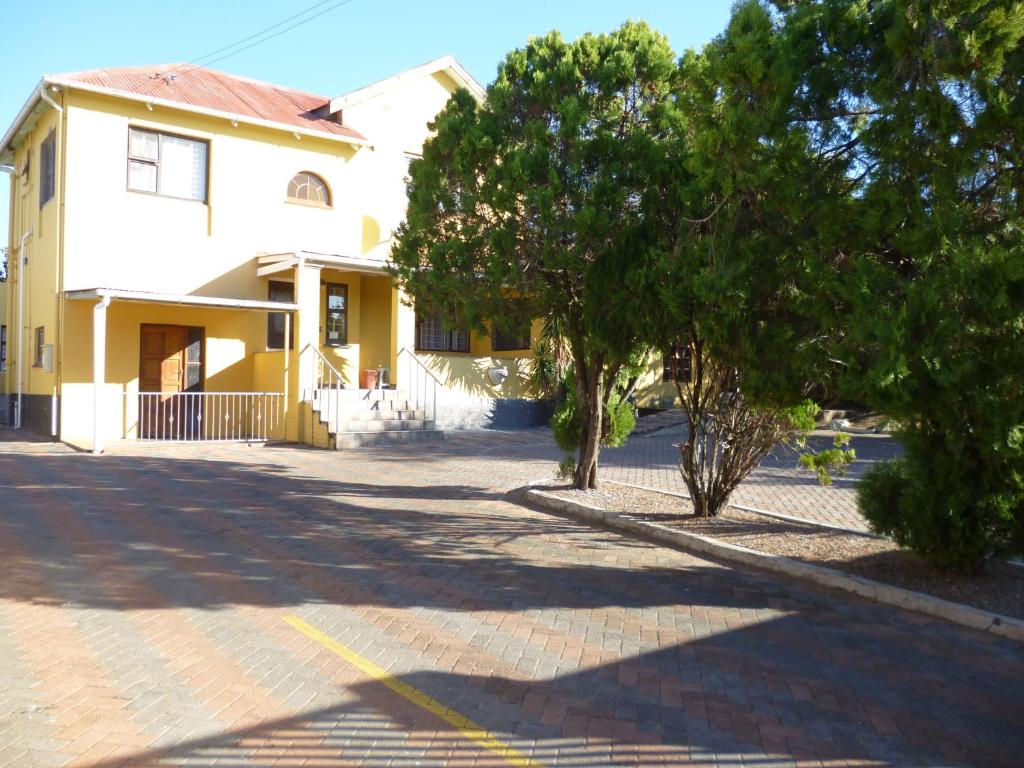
(189, 329)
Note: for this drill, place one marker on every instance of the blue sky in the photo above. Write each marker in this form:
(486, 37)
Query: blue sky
(350, 46)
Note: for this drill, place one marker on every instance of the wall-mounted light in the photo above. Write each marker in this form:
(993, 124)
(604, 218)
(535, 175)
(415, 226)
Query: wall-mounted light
(149, 105)
(497, 375)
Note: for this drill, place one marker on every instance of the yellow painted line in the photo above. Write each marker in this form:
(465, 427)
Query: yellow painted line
(469, 729)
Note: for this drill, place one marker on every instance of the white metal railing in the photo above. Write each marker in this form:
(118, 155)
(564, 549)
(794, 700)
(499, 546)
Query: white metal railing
(208, 416)
(325, 387)
(420, 381)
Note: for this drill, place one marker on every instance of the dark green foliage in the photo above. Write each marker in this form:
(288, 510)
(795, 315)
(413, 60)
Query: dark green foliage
(926, 99)
(531, 193)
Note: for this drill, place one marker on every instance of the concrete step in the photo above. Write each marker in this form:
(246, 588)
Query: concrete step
(363, 411)
(350, 440)
(366, 395)
(348, 427)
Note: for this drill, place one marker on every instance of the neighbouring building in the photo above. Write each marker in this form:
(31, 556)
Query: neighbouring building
(196, 255)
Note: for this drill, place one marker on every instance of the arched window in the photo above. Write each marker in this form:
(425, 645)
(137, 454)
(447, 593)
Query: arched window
(307, 187)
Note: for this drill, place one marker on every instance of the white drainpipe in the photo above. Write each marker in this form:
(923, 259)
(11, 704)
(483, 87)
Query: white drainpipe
(58, 335)
(22, 266)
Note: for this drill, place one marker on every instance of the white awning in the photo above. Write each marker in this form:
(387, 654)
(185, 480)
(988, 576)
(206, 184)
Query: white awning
(272, 263)
(151, 297)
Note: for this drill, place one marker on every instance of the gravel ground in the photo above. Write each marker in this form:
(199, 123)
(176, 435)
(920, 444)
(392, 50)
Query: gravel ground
(998, 588)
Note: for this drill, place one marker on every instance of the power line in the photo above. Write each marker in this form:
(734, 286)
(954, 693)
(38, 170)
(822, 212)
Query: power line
(194, 63)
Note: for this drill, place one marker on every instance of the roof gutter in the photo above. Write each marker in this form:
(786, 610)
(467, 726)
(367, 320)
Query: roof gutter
(229, 116)
(27, 108)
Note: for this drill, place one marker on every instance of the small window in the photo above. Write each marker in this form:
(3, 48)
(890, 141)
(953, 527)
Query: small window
(336, 321)
(677, 363)
(513, 334)
(163, 164)
(40, 343)
(432, 335)
(3, 347)
(279, 291)
(307, 187)
(47, 168)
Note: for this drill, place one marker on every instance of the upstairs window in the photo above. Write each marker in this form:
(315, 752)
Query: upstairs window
(306, 187)
(47, 168)
(432, 335)
(677, 365)
(164, 164)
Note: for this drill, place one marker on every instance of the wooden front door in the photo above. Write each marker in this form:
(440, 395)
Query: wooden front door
(162, 365)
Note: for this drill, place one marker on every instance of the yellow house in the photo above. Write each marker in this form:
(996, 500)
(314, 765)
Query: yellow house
(200, 256)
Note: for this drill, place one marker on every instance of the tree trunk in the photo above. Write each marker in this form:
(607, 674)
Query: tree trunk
(590, 388)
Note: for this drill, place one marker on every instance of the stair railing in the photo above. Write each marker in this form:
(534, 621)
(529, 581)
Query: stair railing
(420, 381)
(325, 386)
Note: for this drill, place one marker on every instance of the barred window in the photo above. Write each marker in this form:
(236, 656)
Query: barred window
(433, 336)
(513, 333)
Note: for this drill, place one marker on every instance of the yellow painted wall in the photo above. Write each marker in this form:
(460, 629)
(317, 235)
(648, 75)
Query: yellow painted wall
(375, 323)
(123, 239)
(651, 391)
(229, 353)
(41, 272)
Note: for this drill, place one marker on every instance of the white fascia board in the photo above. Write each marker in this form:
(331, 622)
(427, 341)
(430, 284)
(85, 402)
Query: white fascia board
(446, 63)
(229, 116)
(30, 104)
(213, 302)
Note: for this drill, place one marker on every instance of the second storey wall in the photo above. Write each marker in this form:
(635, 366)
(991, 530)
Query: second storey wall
(118, 238)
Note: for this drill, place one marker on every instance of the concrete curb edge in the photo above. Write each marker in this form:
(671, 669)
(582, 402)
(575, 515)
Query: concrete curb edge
(965, 615)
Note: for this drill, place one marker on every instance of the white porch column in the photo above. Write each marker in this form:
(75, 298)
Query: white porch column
(99, 368)
(307, 329)
(307, 323)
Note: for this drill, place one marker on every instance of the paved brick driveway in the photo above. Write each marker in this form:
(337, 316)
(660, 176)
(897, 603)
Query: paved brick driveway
(778, 485)
(144, 597)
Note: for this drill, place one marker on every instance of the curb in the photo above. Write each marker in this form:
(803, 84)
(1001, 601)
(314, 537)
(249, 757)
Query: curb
(975, 618)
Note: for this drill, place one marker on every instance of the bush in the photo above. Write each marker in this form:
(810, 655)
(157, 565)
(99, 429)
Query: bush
(947, 509)
(618, 419)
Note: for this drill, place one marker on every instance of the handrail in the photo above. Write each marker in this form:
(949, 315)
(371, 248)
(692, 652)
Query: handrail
(421, 382)
(325, 363)
(326, 383)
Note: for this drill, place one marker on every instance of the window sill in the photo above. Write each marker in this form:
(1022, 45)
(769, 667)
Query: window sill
(308, 204)
(167, 197)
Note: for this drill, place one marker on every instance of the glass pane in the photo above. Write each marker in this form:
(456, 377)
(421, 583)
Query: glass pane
(182, 168)
(144, 145)
(460, 341)
(431, 334)
(141, 176)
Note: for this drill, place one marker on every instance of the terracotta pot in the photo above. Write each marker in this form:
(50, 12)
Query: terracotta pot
(368, 379)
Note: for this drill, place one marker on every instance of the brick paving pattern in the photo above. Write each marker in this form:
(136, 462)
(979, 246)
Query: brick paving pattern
(649, 459)
(143, 595)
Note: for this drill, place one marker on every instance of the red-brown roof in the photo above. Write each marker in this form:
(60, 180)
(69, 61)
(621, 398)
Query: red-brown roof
(208, 89)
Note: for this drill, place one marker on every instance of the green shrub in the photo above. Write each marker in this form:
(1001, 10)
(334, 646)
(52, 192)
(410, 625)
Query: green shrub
(618, 419)
(946, 507)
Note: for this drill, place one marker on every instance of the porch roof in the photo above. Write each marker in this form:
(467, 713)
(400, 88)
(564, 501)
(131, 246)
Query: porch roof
(151, 297)
(272, 263)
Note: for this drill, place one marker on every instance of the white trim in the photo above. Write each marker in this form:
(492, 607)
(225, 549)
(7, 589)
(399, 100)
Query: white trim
(23, 114)
(446, 64)
(272, 263)
(185, 300)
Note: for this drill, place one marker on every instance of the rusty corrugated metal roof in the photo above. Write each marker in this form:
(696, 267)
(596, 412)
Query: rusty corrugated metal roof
(206, 88)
